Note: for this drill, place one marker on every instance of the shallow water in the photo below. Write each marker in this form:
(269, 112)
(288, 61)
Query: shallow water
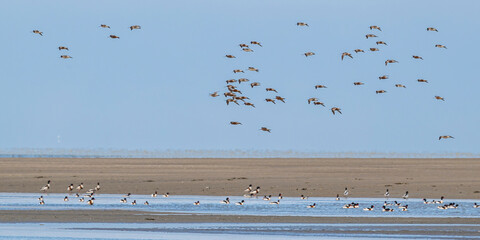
(326, 207)
(232, 231)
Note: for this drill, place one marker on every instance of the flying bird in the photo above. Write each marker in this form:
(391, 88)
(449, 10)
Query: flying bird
(432, 29)
(370, 36)
(104, 26)
(390, 61)
(231, 81)
(440, 46)
(380, 91)
(135, 27)
(312, 100)
(318, 103)
(271, 90)
(374, 49)
(247, 50)
(38, 32)
(335, 109)
(302, 24)
(400, 85)
(265, 129)
(381, 42)
(346, 54)
(280, 98)
(375, 27)
(358, 83)
(63, 48)
(383, 77)
(240, 80)
(439, 98)
(252, 69)
(114, 37)
(256, 43)
(231, 100)
(241, 98)
(238, 71)
(358, 50)
(320, 86)
(65, 56)
(422, 80)
(243, 45)
(417, 57)
(444, 137)
(249, 104)
(307, 54)
(254, 84)
(270, 100)
(235, 123)
(215, 94)
(229, 94)
(229, 56)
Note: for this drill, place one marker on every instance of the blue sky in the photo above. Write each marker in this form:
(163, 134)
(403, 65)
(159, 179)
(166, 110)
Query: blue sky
(149, 89)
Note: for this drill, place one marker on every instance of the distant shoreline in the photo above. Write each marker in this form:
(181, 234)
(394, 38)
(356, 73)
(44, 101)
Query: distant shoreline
(246, 154)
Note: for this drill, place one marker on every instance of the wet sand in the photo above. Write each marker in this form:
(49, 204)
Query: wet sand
(124, 216)
(429, 178)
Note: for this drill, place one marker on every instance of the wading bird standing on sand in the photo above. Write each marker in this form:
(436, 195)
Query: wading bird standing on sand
(46, 187)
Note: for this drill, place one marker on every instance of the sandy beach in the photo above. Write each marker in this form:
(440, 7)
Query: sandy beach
(429, 178)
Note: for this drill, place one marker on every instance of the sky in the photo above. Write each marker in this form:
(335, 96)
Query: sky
(150, 88)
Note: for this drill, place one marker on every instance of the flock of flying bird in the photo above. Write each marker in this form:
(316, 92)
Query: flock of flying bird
(112, 36)
(251, 192)
(234, 94)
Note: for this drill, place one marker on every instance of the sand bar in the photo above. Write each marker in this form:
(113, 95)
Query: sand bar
(429, 178)
(123, 216)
